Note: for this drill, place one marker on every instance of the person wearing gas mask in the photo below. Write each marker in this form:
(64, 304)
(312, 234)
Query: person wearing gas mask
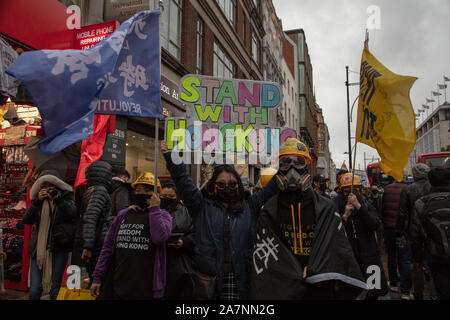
(301, 249)
(320, 185)
(132, 262)
(361, 220)
(180, 246)
(224, 227)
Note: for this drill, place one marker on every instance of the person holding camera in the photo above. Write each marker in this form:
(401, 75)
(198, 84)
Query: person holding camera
(54, 216)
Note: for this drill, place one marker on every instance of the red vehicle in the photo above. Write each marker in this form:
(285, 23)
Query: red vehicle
(434, 160)
(377, 176)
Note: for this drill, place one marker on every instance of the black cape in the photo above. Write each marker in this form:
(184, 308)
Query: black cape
(277, 274)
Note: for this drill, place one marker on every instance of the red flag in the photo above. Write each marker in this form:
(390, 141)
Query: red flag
(92, 149)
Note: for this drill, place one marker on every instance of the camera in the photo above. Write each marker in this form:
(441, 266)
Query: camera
(53, 192)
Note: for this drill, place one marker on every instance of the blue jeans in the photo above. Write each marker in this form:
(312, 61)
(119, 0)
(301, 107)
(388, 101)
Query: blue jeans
(59, 262)
(398, 260)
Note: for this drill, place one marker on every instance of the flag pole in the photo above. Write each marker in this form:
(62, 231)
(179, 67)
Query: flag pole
(161, 7)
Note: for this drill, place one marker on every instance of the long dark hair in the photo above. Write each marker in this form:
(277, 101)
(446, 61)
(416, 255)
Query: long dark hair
(228, 169)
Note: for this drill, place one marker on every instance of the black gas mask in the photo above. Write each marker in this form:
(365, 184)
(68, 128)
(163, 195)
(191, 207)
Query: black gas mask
(295, 176)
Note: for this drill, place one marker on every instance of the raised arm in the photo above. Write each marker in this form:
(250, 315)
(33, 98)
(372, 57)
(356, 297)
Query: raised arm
(188, 192)
(258, 199)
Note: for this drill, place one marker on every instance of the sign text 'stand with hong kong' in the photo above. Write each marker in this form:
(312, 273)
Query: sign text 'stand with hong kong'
(225, 118)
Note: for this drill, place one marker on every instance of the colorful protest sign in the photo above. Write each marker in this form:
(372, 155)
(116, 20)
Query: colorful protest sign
(227, 120)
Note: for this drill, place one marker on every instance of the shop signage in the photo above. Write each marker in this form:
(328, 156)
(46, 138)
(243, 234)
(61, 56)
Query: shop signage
(115, 144)
(227, 116)
(123, 9)
(169, 91)
(89, 36)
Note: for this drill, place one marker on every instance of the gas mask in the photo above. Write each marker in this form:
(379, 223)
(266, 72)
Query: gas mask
(294, 181)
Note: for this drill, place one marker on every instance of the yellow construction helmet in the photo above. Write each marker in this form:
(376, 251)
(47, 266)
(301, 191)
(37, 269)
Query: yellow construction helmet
(294, 148)
(266, 175)
(346, 180)
(146, 178)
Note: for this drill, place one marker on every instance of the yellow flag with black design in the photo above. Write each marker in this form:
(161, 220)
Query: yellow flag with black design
(386, 118)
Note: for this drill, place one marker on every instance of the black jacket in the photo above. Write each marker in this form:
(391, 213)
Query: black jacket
(181, 262)
(64, 218)
(420, 241)
(360, 228)
(96, 206)
(208, 216)
(121, 193)
(277, 274)
(409, 195)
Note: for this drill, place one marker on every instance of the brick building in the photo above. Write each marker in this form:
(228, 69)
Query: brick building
(307, 102)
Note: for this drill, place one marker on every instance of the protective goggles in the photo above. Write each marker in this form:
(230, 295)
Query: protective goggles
(289, 162)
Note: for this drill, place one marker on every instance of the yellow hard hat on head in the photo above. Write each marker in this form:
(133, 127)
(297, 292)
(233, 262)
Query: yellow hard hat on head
(266, 175)
(146, 178)
(294, 148)
(346, 180)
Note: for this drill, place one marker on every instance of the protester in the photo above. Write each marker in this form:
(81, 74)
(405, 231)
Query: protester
(361, 220)
(96, 209)
(320, 185)
(53, 214)
(180, 251)
(224, 224)
(398, 259)
(134, 268)
(121, 191)
(429, 234)
(375, 200)
(410, 194)
(302, 251)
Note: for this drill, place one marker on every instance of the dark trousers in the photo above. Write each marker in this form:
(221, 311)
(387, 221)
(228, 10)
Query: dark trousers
(399, 260)
(441, 276)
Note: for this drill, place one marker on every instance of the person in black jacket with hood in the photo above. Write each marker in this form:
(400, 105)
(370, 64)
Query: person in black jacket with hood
(121, 191)
(180, 251)
(96, 208)
(361, 220)
(54, 216)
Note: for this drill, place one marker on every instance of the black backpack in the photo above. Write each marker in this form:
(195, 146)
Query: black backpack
(436, 224)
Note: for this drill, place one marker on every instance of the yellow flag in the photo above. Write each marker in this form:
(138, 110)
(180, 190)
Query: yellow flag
(386, 119)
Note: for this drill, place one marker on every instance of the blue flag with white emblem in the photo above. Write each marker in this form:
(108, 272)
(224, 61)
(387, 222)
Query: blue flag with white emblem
(118, 76)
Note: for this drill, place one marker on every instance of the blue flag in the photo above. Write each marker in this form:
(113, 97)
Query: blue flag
(120, 75)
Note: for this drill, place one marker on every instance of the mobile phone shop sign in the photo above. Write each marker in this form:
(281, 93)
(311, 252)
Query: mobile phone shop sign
(228, 116)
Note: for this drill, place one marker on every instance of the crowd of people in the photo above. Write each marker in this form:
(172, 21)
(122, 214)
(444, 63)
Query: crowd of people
(183, 242)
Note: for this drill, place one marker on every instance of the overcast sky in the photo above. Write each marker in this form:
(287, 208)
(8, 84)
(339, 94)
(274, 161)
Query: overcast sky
(413, 40)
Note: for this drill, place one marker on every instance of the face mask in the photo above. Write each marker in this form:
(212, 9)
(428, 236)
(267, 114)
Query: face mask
(323, 187)
(142, 200)
(294, 180)
(375, 192)
(168, 203)
(226, 194)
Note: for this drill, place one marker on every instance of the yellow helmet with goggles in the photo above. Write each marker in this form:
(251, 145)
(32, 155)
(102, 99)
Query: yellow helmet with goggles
(294, 148)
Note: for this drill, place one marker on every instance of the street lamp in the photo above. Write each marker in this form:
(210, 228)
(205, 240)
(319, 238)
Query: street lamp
(347, 84)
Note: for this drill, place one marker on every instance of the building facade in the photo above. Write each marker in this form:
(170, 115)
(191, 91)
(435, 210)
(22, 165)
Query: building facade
(433, 134)
(324, 160)
(221, 38)
(307, 104)
(290, 109)
(272, 47)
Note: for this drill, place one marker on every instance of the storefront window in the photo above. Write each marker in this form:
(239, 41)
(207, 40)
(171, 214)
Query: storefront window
(140, 156)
